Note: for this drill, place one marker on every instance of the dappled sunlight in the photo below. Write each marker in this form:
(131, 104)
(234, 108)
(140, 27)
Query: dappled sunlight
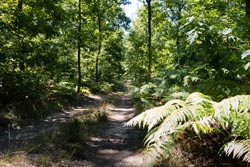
(111, 144)
(116, 145)
(95, 97)
(122, 109)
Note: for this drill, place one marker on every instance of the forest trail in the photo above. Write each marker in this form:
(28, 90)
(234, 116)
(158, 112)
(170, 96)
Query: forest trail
(12, 138)
(113, 145)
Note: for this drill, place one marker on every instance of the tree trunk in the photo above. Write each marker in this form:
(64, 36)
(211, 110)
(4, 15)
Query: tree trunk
(19, 26)
(149, 7)
(248, 8)
(99, 47)
(178, 35)
(79, 48)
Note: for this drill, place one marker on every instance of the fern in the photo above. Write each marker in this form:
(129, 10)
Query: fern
(153, 116)
(201, 114)
(239, 149)
(236, 104)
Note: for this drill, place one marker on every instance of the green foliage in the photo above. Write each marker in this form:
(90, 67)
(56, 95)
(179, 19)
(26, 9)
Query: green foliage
(199, 113)
(38, 43)
(239, 149)
(21, 85)
(75, 131)
(201, 37)
(102, 87)
(31, 95)
(173, 82)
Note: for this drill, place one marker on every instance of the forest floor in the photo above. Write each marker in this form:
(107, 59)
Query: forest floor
(48, 142)
(111, 144)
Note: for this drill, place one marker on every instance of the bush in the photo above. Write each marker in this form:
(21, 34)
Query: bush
(75, 131)
(18, 86)
(199, 114)
(32, 95)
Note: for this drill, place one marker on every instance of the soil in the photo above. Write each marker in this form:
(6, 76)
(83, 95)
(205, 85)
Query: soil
(113, 145)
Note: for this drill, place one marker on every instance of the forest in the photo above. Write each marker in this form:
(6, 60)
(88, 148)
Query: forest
(184, 63)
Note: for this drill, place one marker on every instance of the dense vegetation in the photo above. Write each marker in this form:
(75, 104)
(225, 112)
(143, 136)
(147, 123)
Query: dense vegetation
(49, 48)
(53, 50)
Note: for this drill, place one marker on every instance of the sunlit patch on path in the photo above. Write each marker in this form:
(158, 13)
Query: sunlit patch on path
(115, 145)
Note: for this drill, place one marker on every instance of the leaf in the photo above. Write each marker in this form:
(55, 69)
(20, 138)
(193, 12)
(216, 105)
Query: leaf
(192, 36)
(240, 103)
(155, 115)
(239, 149)
(247, 66)
(245, 54)
(188, 21)
(201, 114)
(227, 31)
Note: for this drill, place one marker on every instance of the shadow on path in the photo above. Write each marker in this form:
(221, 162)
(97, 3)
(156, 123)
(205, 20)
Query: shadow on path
(115, 145)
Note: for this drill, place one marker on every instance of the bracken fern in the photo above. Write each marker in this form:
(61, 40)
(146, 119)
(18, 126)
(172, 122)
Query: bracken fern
(202, 115)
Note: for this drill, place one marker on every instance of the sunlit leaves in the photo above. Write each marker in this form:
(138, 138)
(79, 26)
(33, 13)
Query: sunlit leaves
(247, 66)
(227, 31)
(238, 149)
(204, 116)
(245, 54)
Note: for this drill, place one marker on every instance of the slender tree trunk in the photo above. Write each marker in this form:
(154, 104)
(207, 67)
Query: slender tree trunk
(79, 48)
(99, 47)
(248, 8)
(19, 25)
(178, 35)
(149, 36)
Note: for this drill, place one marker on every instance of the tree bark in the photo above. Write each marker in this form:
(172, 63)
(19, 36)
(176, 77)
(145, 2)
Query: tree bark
(149, 45)
(19, 26)
(248, 8)
(178, 35)
(99, 47)
(79, 48)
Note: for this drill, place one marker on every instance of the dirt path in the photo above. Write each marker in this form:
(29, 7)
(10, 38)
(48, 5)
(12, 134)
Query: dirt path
(12, 138)
(115, 145)
(112, 146)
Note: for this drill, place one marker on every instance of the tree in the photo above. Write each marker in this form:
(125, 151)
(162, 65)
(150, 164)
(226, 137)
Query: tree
(149, 7)
(196, 47)
(98, 13)
(247, 8)
(79, 43)
(103, 19)
(19, 28)
(25, 23)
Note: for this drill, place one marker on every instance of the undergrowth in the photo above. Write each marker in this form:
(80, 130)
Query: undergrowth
(67, 142)
(201, 116)
(25, 95)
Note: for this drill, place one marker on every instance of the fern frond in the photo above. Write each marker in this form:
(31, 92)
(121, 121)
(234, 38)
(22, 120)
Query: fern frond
(198, 98)
(189, 80)
(240, 103)
(153, 116)
(205, 125)
(174, 119)
(181, 119)
(239, 149)
(162, 113)
(159, 150)
(203, 115)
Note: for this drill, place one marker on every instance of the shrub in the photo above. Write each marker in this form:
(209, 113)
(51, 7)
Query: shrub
(201, 115)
